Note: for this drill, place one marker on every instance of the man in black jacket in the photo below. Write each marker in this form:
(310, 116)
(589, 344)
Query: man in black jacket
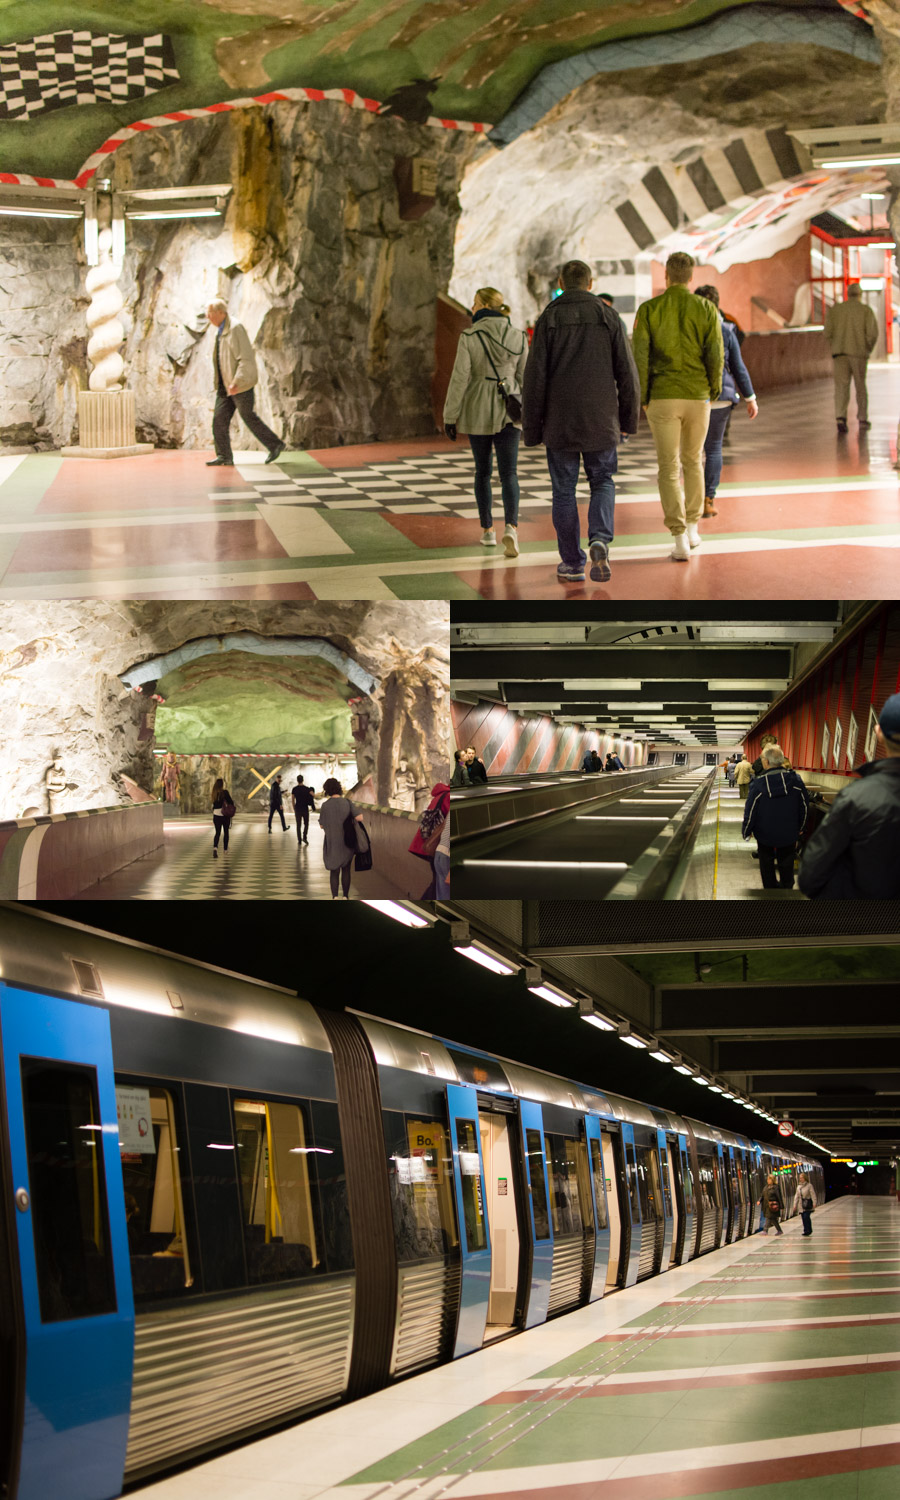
(303, 801)
(856, 852)
(276, 804)
(775, 814)
(475, 767)
(579, 395)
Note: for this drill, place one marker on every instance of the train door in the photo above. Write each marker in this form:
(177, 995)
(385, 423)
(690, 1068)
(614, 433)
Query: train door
(667, 1203)
(689, 1234)
(538, 1213)
(730, 1205)
(60, 1141)
(474, 1235)
(676, 1198)
(721, 1186)
(632, 1204)
(503, 1223)
(601, 1207)
(611, 1146)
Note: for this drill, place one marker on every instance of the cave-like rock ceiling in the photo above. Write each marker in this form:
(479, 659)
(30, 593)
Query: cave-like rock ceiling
(69, 79)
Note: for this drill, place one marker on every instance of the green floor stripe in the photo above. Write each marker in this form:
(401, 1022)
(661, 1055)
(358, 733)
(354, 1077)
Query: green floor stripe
(430, 586)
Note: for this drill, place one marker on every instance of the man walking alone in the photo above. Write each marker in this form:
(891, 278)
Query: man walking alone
(678, 348)
(851, 329)
(235, 369)
(579, 392)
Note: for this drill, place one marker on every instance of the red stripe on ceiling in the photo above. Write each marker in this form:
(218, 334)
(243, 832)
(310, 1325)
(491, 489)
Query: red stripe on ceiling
(706, 1481)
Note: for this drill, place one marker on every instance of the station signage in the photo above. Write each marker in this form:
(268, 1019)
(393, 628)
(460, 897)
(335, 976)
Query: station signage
(785, 1127)
(850, 1161)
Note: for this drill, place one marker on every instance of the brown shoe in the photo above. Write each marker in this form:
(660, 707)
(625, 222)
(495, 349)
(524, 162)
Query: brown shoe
(708, 508)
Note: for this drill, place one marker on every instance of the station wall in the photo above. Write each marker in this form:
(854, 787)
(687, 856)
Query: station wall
(826, 722)
(515, 743)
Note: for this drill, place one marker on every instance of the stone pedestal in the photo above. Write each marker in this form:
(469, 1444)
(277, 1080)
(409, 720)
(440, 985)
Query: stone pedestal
(106, 426)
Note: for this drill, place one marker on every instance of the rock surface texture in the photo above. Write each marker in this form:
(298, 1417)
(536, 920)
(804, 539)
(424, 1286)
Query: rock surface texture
(336, 290)
(60, 692)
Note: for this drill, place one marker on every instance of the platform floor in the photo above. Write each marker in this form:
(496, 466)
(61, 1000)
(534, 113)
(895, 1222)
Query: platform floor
(769, 1370)
(259, 866)
(398, 520)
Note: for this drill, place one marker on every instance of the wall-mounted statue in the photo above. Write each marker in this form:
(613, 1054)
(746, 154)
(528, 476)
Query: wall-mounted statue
(55, 785)
(169, 778)
(404, 794)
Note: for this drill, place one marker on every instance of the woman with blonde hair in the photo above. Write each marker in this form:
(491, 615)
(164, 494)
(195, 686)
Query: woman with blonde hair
(490, 363)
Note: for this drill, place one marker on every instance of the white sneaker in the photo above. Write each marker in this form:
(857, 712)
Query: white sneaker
(511, 542)
(680, 550)
(488, 538)
(693, 535)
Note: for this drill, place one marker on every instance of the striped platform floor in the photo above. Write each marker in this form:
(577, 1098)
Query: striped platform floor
(769, 1370)
(802, 513)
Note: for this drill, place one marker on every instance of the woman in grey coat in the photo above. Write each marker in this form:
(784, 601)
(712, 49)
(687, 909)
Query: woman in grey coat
(489, 351)
(338, 855)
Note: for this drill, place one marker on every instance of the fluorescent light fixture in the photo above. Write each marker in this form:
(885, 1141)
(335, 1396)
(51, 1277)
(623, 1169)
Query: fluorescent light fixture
(698, 1078)
(871, 283)
(549, 992)
(867, 195)
(400, 913)
(685, 1068)
(216, 1146)
(662, 1056)
(860, 161)
(601, 1022)
(631, 1040)
(615, 818)
(174, 213)
(602, 684)
(544, 864)
(41, 213)
(488, 960)
(879, 245)
(715, 1088)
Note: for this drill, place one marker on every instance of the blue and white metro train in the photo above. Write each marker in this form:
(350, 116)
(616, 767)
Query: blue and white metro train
(223, 1208)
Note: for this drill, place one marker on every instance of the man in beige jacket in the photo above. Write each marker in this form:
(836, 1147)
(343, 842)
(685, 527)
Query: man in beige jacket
(235, 367)
(851, 329)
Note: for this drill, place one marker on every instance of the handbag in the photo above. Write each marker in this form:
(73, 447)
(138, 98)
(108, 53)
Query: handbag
(363, 848)
(431, 826)
(350, 838)
(511, 402)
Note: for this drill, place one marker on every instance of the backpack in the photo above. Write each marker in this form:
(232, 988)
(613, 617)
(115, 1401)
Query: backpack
(431, 825)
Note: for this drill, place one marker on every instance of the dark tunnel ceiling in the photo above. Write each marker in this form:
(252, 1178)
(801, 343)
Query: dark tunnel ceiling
(813, 1031)
(676, 674)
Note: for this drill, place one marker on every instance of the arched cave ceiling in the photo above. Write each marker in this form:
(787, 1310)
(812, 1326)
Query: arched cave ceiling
(237, 702)
(481, 56)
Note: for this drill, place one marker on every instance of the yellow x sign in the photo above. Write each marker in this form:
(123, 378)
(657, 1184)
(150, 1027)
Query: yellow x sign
(263, 780)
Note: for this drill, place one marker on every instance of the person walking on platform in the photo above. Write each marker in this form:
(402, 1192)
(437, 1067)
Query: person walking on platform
(475, 767)
(431, 842)
(856, 852)
(743, 776)
(771, 1202)
(304, 802)
(580, 394)
(736, 382)
(677, 343)
(487, 374)
(223, 812)
(276, 804)
(338, 855)
(851, 329)
(234, 363)
(804, 1203)
(767, 739)
(775, 814)
(460, 775)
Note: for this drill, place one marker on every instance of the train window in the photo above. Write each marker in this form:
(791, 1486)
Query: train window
(421, 1184)
(709, 1195)
(149, 1148)
(599, 1186)
(538, 1185)
(666, 1185)
(470, 1179)
(570, 1196)
(68, 1190)
(632, 1177)
(276, 1196)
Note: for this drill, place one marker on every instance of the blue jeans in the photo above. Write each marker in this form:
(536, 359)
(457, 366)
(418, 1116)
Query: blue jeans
(599, 468)
(507, 446)
(441, 876)
(712, 473)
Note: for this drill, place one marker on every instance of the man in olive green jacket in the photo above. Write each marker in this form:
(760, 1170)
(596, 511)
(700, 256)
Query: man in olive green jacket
(678, 349)
(851, 329)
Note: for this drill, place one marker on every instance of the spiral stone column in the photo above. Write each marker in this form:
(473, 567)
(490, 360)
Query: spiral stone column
(106, 409)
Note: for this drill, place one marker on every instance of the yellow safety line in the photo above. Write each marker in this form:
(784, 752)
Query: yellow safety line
(716, 864)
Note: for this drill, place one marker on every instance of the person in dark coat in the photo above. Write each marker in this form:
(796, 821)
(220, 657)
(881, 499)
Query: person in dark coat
(303, 801)
(588, 763)
(579, 394)
(460, 775)
(596, 762)
(276, 804)
(736, 382)
(475, 767)
(856, 851)
(775, 813)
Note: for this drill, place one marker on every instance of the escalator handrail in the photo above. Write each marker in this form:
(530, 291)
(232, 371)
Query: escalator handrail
(660, 872)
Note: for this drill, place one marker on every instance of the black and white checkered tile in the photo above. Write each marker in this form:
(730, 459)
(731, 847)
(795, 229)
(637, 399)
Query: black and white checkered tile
(77, 67)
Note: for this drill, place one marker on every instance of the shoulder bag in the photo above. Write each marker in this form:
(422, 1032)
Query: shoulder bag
(363, 847)
(350, 838)
(431, 826)
(511, 402)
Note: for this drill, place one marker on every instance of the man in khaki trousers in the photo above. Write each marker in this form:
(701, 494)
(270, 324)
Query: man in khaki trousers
(678, 349)
(851, 329)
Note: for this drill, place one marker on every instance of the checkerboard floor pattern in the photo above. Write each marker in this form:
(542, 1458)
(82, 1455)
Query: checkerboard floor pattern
(77, 67)
(442, 483)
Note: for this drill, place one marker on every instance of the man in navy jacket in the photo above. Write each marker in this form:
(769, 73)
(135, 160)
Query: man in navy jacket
(856, 852)
(775, 813)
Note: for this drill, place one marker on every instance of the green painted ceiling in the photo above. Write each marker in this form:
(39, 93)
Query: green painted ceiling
(774, 965)
(482, 53)
(239, 702)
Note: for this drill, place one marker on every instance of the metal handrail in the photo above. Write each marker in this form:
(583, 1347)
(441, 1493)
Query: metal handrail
(660, 872)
